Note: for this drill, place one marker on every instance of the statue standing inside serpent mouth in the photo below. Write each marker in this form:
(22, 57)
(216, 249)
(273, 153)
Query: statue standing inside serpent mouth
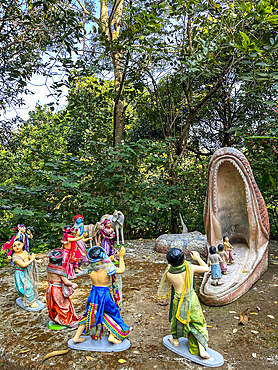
(214, 262)
(228, 246)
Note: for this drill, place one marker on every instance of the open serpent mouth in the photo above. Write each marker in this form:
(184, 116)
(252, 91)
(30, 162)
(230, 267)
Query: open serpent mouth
(235, 208)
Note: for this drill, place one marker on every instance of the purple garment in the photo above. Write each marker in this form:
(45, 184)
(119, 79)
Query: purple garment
(107, 242)
(24, 238)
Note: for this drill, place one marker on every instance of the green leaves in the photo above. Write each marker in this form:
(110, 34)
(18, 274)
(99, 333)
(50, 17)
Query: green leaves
(22, 212)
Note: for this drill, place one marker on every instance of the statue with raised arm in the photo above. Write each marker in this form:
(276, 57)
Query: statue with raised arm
(101, 307)
(186, 315)
(60, 307)
(78, 230)
(228, 246)
(72, 253)
(23, 235)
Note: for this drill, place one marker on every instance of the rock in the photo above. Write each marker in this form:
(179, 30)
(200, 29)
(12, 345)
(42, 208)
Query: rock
(193, 241)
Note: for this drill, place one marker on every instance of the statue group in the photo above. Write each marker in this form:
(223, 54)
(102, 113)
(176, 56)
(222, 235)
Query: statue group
(103, 307)
(234, 206)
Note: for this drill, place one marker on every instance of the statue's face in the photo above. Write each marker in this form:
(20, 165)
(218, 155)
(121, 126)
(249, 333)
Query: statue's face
(79, 220)
(108, 224)
(22, 228)
(17, 247)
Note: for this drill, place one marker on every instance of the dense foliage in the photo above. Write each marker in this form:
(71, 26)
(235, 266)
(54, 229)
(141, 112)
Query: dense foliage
(170, 82)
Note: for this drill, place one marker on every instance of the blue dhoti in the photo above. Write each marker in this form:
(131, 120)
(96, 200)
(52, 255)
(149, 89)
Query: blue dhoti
(101, 309)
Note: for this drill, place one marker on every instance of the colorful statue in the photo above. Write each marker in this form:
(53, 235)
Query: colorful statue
(117, 222)
(79, 232)
(228, 248)
(224, 257)
(108, 238)
(214, 261)
(60, 307)
(186, 316)
(22, 236)
(72, 253)
(26, 275)
(101, 308)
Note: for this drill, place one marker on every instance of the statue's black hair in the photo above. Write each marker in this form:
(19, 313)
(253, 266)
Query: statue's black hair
(68, 227)
(175, 257)
(220, 247)
(95, 252)
(212, 250)
(56, 261)
(224, 237)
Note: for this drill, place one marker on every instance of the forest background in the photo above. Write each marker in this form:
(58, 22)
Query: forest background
(154, 88)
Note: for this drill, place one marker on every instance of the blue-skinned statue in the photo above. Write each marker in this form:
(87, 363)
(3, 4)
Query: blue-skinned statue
(78, 232)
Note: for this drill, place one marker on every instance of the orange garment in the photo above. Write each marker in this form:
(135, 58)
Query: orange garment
(60, 308)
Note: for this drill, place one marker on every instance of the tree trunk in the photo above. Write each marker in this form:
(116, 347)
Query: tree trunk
(174, 223)
(111, 27)
(119, 124)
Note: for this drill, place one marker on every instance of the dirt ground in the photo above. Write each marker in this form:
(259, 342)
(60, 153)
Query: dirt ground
(241, 348)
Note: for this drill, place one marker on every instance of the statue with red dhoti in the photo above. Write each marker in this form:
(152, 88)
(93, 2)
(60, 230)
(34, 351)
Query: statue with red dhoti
(60, 307)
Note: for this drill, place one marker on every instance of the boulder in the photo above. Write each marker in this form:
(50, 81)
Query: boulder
(193, 241)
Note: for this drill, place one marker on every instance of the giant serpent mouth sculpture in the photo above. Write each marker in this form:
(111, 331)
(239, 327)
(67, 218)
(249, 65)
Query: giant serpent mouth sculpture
(235, 207)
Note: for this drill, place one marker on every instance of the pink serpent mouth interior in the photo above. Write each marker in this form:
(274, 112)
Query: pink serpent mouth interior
(235, 208)
(231, 201)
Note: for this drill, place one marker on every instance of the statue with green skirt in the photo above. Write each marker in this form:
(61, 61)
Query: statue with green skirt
(186, 315)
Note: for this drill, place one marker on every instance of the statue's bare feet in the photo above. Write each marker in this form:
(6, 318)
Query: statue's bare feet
(203, 352)
(34, 305)
(175, 342)
(78, 340)
(113, 339)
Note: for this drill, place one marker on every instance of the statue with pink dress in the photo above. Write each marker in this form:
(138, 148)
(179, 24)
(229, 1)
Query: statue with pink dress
(72, 254)
(222, 253)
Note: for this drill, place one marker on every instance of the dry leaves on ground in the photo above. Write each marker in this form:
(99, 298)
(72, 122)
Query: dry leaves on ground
(243, 317)
(55, 353)
(26, 350)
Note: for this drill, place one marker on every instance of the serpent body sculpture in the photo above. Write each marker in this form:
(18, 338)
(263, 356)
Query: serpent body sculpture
(235, 207)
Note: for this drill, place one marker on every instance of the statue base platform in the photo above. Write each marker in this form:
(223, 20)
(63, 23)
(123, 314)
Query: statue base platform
(19, 302)
(84, 272)
(54, 326)
(215, 360)
(97, 345)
